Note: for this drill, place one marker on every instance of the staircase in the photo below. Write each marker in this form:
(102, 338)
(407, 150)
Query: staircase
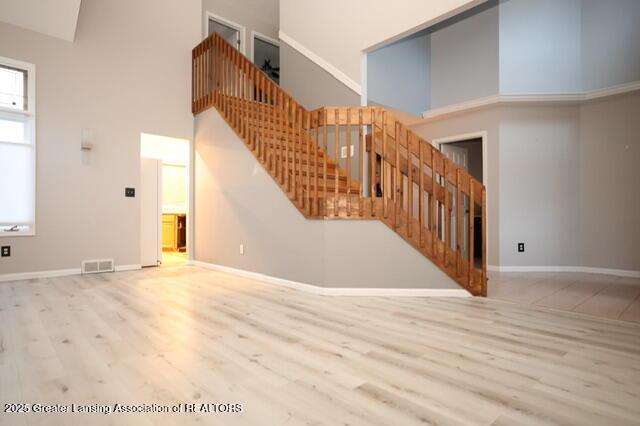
(350, 163)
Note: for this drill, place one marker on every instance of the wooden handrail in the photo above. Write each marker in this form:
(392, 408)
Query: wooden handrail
(394, 175)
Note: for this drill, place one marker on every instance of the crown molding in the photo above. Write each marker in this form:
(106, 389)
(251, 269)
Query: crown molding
(528, 98)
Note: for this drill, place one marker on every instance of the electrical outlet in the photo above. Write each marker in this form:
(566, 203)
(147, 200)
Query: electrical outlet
(6, 251)
(343, 152)
(520, 247)
(241, 248)
(129, 192)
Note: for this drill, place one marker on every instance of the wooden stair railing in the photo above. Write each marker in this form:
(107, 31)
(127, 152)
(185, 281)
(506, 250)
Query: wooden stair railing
(394, 175)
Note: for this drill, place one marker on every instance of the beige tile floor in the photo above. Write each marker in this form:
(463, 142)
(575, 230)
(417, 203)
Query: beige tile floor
(597, 295)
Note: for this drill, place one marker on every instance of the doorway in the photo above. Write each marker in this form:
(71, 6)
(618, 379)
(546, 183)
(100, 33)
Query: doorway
(164, 224)
(266, 55)
(233, 33)
(468, 152)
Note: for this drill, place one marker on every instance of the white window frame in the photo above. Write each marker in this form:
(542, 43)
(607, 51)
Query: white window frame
(28, 117)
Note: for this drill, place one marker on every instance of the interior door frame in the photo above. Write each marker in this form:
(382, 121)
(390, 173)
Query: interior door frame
(158, 209)
(222, 20)
(257, 35)
(482, 134)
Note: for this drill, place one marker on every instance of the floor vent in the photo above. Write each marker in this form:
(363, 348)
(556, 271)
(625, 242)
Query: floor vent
(97, 266)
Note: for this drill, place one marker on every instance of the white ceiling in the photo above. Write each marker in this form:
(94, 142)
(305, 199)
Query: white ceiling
(57, 18)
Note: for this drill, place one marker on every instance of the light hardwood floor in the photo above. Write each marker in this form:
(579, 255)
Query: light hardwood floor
(185, 334)
(598, 295)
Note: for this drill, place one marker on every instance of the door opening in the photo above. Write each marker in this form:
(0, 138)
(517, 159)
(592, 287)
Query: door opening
(172, 211)
(233, 33)
(266, 55)
(468, 153)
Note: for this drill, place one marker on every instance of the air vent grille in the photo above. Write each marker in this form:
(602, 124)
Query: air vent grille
(97, 266)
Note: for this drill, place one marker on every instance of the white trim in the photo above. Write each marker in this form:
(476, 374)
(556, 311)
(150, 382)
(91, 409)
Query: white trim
(334, 291)
(254, 35)
(335, 72)
(29, 117)
(483, 134)
(19, 276)
(567, 98)
(241, 29)
(585, 269)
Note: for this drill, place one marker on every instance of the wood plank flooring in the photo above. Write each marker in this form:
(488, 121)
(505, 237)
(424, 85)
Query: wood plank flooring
(188, 335)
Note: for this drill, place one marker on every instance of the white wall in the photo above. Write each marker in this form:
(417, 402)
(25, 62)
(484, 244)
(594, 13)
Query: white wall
(610, 43)
(464, 58)
(127, 72)
(338, 31)
(398, 75)
(540, 46)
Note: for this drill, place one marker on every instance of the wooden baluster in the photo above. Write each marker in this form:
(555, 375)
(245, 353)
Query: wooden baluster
(193, 81)
(285, 136)
(316, 205)
(307, 136)
(383, 168)
(281, 139)
(409, 186)
(447, 213)
(361, 149)
(336, 138)
(348, 142)
(484, 242)
(434, 207)
(372, 164)
(421, 193)
(300, 142)
(325, 156)
(458, 222)
(398, 178)
(471, 234)
(294, 175)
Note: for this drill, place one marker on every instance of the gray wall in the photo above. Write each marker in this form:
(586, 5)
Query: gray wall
(464, 58)
(540, 46)
(610, 43)
(609, 176)
(398, 75)
(127, 72)
(539, 186)
(238, 202)
(310, 84)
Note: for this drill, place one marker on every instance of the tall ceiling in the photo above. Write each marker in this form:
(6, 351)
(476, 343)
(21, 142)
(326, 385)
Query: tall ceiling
(57, 18)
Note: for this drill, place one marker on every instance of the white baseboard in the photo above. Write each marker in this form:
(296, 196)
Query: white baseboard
(57, 273)
(122, 268)
(322, 63)
(585, 269)
(334, 291)
(39, 274)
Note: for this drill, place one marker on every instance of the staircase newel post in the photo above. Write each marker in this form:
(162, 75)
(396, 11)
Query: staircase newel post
(336, 138)
(348, 143)
(307, 136)
(483, 291)
(361, 149)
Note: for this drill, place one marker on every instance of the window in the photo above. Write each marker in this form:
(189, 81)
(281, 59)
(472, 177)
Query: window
(17, 148)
